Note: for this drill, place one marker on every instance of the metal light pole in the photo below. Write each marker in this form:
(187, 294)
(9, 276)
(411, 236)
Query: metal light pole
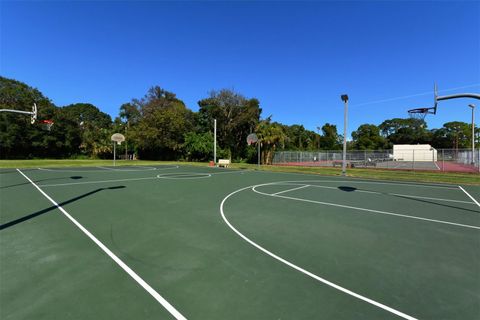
(259, 154)
(473, 132)
(114, 153)
(126, 143)
(344, 163)
(318, 132)
(214, 141)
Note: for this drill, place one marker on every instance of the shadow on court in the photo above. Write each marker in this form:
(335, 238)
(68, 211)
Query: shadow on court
(39, 213)
(347, 189)
(351, 189)
(436, 203)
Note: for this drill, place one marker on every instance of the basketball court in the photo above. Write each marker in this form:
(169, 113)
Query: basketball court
(186, 242)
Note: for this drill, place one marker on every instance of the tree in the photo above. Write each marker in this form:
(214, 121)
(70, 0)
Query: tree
(198, 146)
(236, 118)
(19, 138)
(164, 119)
(457, 134)
(130, 113)
(271, 137)
(367, 137)
(95, 127)
(405, 131)
(298, 138)
(330, 140)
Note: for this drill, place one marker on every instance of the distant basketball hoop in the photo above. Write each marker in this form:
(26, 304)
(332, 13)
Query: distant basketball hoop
(252, 138)
(118, 138)
(47, 124)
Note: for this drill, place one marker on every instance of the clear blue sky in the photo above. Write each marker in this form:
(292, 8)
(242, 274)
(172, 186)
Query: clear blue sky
(295, 57)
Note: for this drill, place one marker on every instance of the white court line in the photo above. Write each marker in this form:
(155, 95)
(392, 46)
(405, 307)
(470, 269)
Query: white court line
(207, 175)
(353, 180)
(105, 168)
(122, 265)
(194, 175)
(94, 182)
(367, 210)
(468, 194)
(72, 171)
(436, 186)
(308, 273)
(235, 171)
(429, 198)
(304, 186)
(393, 194)
(184, 175)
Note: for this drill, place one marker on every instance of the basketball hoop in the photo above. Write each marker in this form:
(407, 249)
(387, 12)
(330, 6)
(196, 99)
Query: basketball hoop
(420, 113)
(251, 139)
(118, 138)
(47, 124)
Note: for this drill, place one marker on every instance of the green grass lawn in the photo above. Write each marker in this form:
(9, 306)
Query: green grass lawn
(404, 175)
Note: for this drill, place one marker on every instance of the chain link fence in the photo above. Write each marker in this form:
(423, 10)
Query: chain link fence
(444, 160)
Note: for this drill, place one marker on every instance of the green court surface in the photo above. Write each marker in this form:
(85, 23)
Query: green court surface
(170, 242)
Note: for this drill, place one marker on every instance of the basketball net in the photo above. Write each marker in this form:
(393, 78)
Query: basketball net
(420, 113)
(47, 124)
(417, 115)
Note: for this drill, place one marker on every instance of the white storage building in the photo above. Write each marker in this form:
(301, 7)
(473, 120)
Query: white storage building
(414, 152)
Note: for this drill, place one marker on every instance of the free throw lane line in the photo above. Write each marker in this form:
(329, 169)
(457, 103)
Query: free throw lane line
(386, 193)
(122, 265)
(284, 191)
(365, 209)
(308, 273)
(468, 194)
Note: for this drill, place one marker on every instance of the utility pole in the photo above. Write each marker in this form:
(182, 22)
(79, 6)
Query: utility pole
(126, 143)
(473, 132)
(214, 141)
(318, 132)
(345, 116)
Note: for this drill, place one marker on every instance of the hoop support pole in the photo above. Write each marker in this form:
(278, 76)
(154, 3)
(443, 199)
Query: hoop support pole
(460, 95)
(17, 111)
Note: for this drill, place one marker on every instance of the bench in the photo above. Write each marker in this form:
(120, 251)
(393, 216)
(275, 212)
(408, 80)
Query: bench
(223, 163)
(350, 163)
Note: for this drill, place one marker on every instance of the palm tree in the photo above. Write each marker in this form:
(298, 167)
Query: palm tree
(271, 135)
